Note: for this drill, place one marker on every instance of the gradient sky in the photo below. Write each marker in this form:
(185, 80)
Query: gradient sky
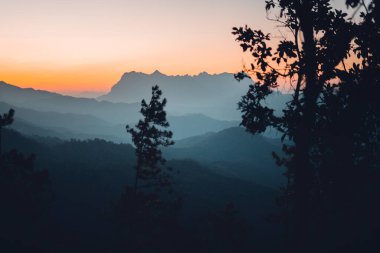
(80, 45)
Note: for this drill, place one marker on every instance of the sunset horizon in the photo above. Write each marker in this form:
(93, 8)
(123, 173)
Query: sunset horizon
(51, 87)
(76, 46)
(166, 126)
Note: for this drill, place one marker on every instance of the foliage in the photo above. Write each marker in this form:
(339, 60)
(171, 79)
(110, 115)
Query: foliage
(145, 219)
(149, 135)
(332, 65)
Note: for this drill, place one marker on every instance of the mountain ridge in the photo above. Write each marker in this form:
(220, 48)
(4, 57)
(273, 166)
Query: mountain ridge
(45, 101)
(83, 126)
(215, 95)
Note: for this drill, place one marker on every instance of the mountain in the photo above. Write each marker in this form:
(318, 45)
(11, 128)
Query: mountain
(196, 124)
(232, 144)
(45, 101)
(49, 114)
(212, 95)
(70, 125)
(63, 125)
(96, 157)
(233, 152)
(196, 105)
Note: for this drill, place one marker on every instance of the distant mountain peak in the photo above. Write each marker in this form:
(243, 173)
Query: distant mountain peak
(137, 75)
(157, 73)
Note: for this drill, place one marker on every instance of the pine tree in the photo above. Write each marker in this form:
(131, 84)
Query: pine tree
(143, 214)
(148, 136)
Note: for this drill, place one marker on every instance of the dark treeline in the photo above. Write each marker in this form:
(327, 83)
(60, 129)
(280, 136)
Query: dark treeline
(98, 196)
(87, 200)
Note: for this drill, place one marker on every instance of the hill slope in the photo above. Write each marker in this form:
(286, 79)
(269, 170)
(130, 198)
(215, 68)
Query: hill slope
(234, 152)
(45, 101)
(70, 125)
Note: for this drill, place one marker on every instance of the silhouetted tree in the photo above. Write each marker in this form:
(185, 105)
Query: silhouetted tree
(5, 120)
(148, 137)
(348, 124)
(324, 61)
(146, 219)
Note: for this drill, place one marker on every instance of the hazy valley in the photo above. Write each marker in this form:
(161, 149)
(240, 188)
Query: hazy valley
(84, 140)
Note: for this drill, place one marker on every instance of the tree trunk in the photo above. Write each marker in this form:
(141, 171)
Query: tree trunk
(302, 192)
(303, 170)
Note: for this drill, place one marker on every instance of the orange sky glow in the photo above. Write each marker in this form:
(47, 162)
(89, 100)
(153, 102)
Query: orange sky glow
(71, 46)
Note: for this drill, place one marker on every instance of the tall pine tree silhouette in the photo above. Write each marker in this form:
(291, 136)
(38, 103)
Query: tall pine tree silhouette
(148, 136)
(142, 216)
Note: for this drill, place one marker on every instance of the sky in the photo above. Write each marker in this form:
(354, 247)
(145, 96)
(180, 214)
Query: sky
(71, 46)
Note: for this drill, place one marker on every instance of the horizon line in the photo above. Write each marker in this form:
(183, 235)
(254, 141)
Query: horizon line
(102, 92)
